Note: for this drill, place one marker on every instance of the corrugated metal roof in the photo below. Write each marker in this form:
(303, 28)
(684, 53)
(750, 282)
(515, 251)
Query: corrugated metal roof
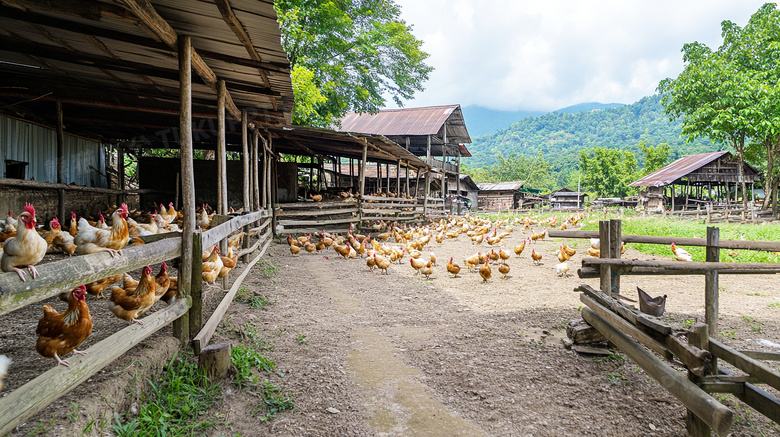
(500, 186)
(677, 169)
(404, 121)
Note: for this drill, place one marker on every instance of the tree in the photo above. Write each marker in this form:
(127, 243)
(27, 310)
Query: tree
(348, 55)
(534, 171)
(655, 157)
(608, 172)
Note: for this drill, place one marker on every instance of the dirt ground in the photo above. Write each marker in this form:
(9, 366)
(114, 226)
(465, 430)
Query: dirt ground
(363, 353)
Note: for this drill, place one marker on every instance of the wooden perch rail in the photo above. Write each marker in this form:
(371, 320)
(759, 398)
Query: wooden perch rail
(57, 277)
(590, 267)
(769, 246)
(220, 232)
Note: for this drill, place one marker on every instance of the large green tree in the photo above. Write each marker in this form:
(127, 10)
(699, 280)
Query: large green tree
(731, 94)
(534, 171)
(607, 172)
(655, 157)
(348, 55)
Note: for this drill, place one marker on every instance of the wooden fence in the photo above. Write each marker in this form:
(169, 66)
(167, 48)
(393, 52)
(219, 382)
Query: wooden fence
(62, 276)
(627, 328)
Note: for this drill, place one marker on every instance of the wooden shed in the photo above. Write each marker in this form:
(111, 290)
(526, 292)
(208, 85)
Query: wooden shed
(694, 181)
(499, 195)
(567, 199)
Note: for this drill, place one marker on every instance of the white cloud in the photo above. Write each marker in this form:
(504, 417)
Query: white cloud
(508, 54)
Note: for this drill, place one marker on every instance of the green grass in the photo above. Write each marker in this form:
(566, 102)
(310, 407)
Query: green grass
(244, 295)
(274, 401)
(677, 228)
(244, 360)
(774, 305)
(175, 403)
(269, 269)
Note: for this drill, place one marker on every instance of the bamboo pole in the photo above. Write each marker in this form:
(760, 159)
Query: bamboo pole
(222, 199)
(717, 416)
(181, 326)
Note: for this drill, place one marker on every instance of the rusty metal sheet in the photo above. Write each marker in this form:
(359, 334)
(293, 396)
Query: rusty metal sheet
(500, 186)
(678, 169)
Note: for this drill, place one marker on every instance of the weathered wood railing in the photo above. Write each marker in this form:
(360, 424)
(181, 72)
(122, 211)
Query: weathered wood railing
(60, 276)
(389, 208)
(436, 208)
(309, 217)
(626, 328)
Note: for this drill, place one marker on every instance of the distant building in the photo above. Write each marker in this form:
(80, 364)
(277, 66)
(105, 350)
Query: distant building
(567, 199)
(503, 195)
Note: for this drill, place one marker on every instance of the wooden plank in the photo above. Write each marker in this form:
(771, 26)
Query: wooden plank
(736, 388)
(615, 239)
(157, 237)
(759, 399)
(315, 212)
(202, 338)
(746, 364)
(693, 267)
(762, 355)
(314, 223)
(254, 247)
(399, 200)
(712, 412)
(220, 232)
(60, 276)
(5, 182)
(196, 284)
(32, 397)
(769, 246)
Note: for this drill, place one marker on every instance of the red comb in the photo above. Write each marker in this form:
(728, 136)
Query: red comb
(124, 206)
(29, 208)
(72, 214)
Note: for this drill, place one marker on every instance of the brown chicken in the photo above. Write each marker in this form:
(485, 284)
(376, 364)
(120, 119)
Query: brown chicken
(316, 198)
(212, 266)
(503, 269)
(90, 239)
(173, 290)
(26, 249)
(295, 250)
(228, 262)
(382, 263)
(569, 251)
(474, 260)
(493, 256)
(503, 255)
(417, 264)
(562, 255)
(371, 261)
(96, 288)
(485, 271)
(453, 268)
(162, 281)
(520, 247)
(342, 250)
(130, 306)
(537, 257)
(60, 334)
(427, 271)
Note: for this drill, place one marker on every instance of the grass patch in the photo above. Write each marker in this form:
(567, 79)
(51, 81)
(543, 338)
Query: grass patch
(244, 360)
(774, 305)
(684, 228)
(244, 295)
(274, 401)
(269, 269)
(174, 403)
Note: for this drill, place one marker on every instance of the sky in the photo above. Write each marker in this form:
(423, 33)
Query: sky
(549, 54)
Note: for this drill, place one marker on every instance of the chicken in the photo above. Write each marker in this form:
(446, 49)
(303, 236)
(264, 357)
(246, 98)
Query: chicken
(371, 261)
(562, 255)
(5, 362)
(622, 247)
(485, 271)
(162, 281)
(520, 247)
(569, 251)
(417, 264)
(64, 243)
(595, 243)
(316, 198)
(382, 263)
(96, 288)
(167, 215)
(342, 250)
(129, 284)
(473, 260)
(294, 249)
(477, 239)
(228, 262)
(503, 255)
(562, 269)
(204, 220)
(143, 229)
(432, 257)
(26, 249)
(414, 253)
(54, 230)
(427, 271)
(11, 223)
(173, 289)
(453, 268)
(535, 236)
(212, 266)
(89, 239)
(503, 269)
(130, 306)
(61, 333)
(594, 252)
(537, 257)
(681, 254)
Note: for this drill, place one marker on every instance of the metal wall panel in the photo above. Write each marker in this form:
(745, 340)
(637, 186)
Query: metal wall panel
(36, 145)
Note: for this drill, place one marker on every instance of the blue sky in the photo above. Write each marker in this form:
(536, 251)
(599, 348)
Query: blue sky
(546, 55)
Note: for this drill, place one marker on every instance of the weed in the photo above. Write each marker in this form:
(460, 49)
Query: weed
(302, 339)
(244, 360)
(274, 401)
(173, 403)
(774, 305)
(269, 270)
(42, 428)
(88, 427)
(687, 323)
(73, 414)
(245, 296)
(748, 319)
(616, 378)
(614, 358)
(754, 294)
(729, 334)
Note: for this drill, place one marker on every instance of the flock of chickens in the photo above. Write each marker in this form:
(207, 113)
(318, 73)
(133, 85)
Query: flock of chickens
(408, 241)
(22, 246)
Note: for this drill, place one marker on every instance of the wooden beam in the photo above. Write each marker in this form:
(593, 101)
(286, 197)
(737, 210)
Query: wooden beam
(712, 412)
(22, 403)
(220, 232)
(362, 176)
(222, 189)
(181, 327)
(769, 246)
(245, 160)
(691, 267)
(746, 364)
(711, 285)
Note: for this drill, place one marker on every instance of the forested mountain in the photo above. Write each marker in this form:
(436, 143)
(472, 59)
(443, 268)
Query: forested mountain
(481, 121)
(559, 137)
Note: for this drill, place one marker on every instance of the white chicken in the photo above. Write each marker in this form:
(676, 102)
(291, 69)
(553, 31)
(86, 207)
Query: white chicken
(595, 243)
(681, 254)
(562, 269)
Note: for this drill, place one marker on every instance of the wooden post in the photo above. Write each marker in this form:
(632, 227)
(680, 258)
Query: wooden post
(775, 208)
(222, 198)
(378, 178)
(699, 337)
(711, 286)
(215, 359)
(427, 190)
(407, 142)
(417, 183)
(265, 176)
(408, 193)
(181, 326)
(245, 159)
(615, 240)
(428, 149)
(387, 169)
(196, 284)
(253, 177)
(398, 179)
(272, 182)
(605, 248)
(458, 181)
(60, 162)
(245, 243)
(363, 168)
(120, 156)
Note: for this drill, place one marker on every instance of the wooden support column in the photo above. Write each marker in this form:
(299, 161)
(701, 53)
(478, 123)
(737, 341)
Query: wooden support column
(272, 182)
(398, 179)
(458, 180)
(387, 169)
(427, 191)
(266, 171)
(245, 159)
(615, 240)
(417, 183)
(408, 193)
(60, 162)
(362, 181)
(605, 248)
(196, 286)
(222, 199)
(407, 143)
(774, 199)
(428, 150)
(120, 156)
(699, 337)
(711, 286)
(378, 178)
(253, 172)
(181, 326)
